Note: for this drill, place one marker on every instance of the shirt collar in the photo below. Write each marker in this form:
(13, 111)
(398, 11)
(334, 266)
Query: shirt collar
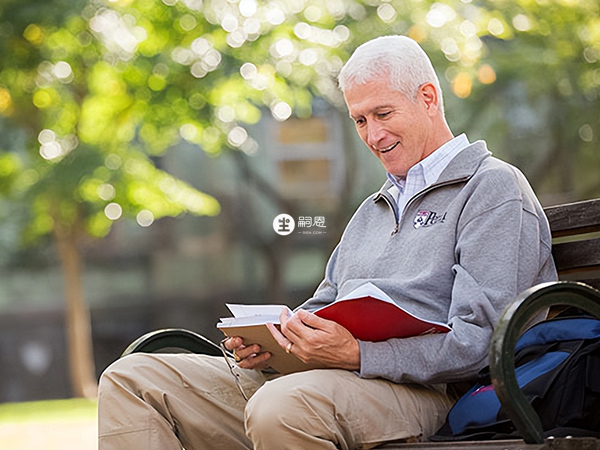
(430, 168)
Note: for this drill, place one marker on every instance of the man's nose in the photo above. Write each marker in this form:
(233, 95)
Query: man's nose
(375, 133)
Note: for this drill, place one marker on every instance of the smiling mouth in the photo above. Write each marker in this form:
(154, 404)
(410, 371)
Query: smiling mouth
(388, 149)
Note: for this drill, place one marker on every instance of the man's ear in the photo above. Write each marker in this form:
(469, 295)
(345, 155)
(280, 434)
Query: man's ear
(429, 95)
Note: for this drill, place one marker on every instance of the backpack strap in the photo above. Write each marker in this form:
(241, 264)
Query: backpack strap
(559, 330)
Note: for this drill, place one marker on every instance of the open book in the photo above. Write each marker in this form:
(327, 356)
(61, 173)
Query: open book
(367, 312)
(249, 322)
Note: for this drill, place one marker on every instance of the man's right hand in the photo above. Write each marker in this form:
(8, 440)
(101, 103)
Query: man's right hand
(247, 357)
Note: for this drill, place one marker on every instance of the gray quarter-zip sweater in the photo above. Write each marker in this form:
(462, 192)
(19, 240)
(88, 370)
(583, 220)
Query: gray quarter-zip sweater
(461, 252)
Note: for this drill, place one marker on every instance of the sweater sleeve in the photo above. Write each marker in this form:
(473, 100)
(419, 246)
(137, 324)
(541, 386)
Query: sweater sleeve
(326, 292)
(499, 252)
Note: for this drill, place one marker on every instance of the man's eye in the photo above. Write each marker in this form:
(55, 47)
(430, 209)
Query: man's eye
(382, 115)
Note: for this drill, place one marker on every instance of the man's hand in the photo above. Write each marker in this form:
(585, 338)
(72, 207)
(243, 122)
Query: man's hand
(316, 340)
(247, 357)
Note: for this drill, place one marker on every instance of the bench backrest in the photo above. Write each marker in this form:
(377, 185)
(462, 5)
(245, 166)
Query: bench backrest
(576, 235)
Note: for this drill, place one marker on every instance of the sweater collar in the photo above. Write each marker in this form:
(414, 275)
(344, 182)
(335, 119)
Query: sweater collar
(462, 166)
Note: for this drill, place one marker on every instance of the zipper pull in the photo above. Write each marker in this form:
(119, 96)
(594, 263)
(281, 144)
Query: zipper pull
(395, 229)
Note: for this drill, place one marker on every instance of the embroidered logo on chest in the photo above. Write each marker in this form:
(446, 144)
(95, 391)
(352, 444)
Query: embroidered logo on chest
(425, 218)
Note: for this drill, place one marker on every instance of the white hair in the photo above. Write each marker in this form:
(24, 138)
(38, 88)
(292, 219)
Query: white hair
(399, 58)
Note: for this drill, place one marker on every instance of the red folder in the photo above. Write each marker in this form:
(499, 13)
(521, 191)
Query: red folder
(376, 317)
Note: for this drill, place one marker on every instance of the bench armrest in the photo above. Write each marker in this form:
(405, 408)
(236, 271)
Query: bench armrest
(170, 338)
(515, 317)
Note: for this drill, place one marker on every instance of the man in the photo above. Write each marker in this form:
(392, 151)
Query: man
(453, 236)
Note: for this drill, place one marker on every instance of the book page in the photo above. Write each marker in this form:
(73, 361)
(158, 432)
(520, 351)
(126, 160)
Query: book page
(239, 310)
(245, 315)
(367, 290)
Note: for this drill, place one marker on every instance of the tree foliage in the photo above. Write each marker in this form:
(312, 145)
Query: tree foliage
(103, 87)
(89, 132)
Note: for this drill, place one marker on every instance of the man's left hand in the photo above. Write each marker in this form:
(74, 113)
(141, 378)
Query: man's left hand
(316, 340)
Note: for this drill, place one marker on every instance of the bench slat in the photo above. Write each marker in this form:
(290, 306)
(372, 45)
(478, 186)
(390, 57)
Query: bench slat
(574, 218)
(574, 256)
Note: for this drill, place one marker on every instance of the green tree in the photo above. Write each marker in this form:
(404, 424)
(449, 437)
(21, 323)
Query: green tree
(85, 162)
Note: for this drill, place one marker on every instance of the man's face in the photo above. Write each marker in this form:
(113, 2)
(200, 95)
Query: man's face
(398, 130)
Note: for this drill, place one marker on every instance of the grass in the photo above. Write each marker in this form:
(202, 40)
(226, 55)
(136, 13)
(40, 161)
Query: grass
(48, 410)
(49, 425)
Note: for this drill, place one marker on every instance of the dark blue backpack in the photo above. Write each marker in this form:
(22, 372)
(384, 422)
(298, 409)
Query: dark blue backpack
(558, 370)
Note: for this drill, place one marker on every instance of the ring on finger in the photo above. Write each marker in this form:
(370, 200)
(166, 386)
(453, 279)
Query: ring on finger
(288, 347)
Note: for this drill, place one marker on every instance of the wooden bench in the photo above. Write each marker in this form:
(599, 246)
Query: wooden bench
(576, 249)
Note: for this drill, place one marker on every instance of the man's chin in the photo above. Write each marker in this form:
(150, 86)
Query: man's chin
(393, 167)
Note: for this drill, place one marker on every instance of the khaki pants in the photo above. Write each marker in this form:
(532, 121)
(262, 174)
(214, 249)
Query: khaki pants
(166, 402)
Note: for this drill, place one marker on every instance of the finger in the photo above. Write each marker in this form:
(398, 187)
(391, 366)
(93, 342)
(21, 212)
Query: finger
(233, 343)
(279, 337)
(284, 317)
(313, 321)
(305, 323)
(243, 352)
(256, 361)
(294, 329)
